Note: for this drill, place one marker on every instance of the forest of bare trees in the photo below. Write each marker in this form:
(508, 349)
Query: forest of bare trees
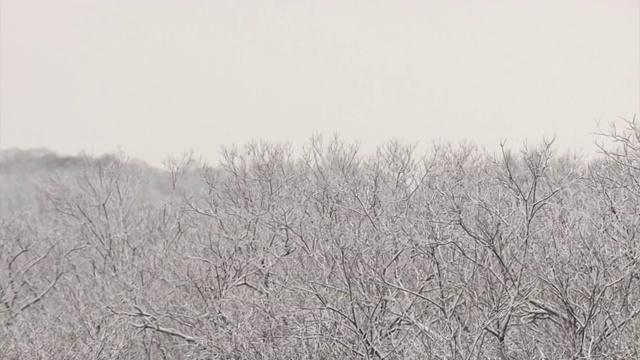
(331, 254)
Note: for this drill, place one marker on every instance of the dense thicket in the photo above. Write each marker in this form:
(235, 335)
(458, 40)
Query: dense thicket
(458, 254)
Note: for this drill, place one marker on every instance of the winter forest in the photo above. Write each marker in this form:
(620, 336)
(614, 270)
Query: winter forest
(333, 253)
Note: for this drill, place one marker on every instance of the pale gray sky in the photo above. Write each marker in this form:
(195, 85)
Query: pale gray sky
(157, 77)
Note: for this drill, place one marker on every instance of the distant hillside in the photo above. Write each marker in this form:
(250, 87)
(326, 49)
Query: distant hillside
(22, 172)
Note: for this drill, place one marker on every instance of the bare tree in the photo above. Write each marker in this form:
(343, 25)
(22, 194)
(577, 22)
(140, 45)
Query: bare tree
(456, 254)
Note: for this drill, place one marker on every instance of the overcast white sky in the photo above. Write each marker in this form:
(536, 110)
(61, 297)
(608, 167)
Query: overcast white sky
(157, 77)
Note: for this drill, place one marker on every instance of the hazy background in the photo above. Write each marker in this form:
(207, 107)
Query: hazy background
(156, 77)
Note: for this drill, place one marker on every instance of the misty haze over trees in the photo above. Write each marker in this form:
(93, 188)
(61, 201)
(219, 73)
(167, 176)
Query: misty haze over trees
(335, 254)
